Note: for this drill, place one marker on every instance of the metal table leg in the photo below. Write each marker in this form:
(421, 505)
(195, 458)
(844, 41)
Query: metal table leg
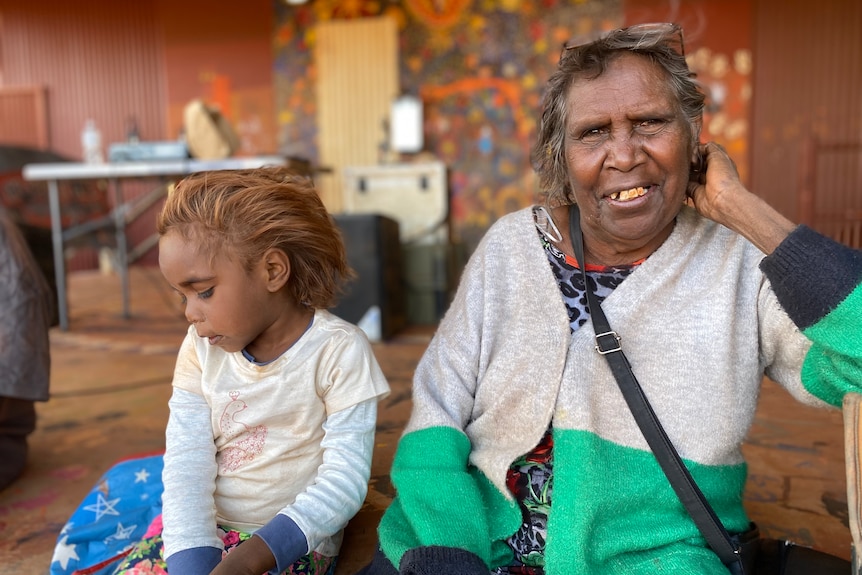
(59, 257)
(120, 209)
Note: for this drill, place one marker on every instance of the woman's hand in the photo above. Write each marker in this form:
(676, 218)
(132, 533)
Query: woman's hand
(719, 195)
(715, 185)
(251, 557)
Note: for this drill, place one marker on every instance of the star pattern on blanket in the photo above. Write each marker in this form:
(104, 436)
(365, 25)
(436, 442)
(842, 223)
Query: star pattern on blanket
(103, 507)
(63, 552)
(122, 533)
(111, 519)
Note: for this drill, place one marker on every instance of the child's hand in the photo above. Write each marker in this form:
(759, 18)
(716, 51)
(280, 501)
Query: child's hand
(251, 557)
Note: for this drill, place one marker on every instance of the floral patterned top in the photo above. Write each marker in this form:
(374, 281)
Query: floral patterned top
(530, 477)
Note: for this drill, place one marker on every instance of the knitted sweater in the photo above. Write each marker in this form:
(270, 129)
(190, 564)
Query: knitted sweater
(701, 320)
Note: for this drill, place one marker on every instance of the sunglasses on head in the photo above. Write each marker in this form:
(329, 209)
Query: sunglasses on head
(670, 32)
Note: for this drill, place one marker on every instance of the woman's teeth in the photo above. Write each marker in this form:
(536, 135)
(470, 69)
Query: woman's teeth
(627, 195)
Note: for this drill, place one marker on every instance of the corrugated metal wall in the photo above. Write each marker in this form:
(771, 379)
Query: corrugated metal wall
(222, 52)
(112, 61)
(808, 108)
(24, 117)
(93, 59)
(96, 59)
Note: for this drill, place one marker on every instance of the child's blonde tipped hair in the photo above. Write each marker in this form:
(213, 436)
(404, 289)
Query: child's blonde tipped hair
(243, 213)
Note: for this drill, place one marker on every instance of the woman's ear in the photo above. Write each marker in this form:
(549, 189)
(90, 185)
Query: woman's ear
(696, 127)
(276, 266)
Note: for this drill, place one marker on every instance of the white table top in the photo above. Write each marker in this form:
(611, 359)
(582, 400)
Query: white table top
(81, 171)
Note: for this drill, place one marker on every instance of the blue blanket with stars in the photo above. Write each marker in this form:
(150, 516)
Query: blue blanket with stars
(111, 518)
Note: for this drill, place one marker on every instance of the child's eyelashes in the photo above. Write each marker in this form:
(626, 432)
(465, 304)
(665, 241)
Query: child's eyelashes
(206, 294)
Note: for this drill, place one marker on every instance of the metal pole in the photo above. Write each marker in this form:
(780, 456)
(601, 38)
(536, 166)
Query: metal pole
(122, 248)
(59, 258)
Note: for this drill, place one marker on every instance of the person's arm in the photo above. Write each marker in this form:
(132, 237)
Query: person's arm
(251, 557)
(192, 545)
(818, 283)
(442, 519)
(723, 198)
(325, 507)
(447, 517)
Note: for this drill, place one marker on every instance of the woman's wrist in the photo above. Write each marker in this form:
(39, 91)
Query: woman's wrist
(757, 221)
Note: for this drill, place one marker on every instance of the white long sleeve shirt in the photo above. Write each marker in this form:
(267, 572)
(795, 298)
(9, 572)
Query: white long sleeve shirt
(248, 442)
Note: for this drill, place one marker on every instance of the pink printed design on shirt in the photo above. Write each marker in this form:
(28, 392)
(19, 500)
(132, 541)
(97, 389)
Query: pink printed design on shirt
(244, 442)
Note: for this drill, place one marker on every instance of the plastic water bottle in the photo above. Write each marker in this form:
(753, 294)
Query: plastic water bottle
(133, 135)
(370, 323)
(91, 142)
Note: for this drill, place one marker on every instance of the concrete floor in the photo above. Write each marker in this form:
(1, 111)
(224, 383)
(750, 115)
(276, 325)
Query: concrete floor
(111, 381)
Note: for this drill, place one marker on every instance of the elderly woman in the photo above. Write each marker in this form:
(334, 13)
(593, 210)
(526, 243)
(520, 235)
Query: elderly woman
(521, 455)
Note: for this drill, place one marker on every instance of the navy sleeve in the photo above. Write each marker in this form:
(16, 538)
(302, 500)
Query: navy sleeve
(194, 561)
(811, 274)
(285, 540)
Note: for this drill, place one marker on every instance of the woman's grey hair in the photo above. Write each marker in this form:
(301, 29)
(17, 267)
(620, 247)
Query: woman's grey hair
(661, 43)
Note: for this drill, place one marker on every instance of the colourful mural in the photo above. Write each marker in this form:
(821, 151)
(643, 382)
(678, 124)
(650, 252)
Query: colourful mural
(480, 67)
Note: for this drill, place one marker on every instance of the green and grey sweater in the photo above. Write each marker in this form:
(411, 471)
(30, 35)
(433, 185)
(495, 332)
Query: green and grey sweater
(702, 320)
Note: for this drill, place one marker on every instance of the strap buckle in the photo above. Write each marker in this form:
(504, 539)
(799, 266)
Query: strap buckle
(615, 341)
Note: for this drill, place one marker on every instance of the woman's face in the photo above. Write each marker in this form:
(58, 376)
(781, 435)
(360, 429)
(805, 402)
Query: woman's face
(628, 151)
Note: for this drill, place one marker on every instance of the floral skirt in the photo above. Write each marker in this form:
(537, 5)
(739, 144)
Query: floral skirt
(147, 556)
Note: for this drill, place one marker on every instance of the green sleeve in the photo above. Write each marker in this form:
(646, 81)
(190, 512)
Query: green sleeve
(818, 282)
(833, 365)
(443, 501)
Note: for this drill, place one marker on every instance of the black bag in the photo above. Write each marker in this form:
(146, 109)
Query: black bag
(744, 553)
(764, 556)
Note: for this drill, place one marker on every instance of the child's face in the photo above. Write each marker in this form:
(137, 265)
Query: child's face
(226, 303)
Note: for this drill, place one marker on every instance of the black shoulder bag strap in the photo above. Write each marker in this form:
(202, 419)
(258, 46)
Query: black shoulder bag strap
(608, 344)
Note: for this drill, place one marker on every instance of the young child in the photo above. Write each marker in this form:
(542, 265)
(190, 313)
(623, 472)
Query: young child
(274, 406)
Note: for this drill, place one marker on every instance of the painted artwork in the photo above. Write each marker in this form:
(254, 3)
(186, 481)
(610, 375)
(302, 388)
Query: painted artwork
(480, 67)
